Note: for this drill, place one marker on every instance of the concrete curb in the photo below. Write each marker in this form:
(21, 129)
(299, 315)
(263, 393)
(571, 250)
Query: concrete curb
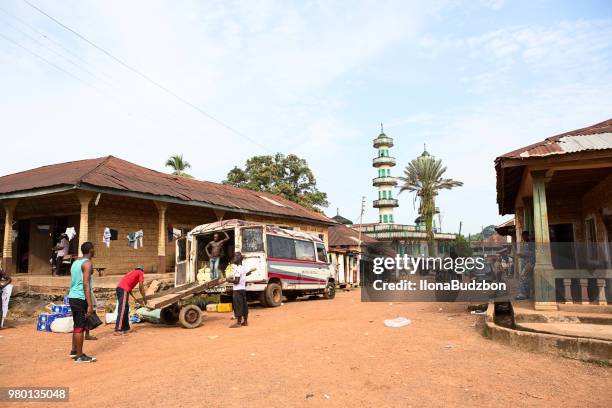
(570, 347)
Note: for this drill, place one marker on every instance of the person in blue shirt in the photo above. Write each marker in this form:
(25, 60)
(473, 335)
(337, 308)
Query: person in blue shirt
(81, 301)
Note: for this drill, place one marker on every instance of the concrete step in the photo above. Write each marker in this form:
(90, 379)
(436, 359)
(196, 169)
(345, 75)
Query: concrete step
(580, 341)
(582, 330)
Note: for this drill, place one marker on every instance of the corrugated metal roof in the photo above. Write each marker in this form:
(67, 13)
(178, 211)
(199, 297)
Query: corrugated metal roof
(341, 235)
(593, 138)
(596, 137)
(120, 175)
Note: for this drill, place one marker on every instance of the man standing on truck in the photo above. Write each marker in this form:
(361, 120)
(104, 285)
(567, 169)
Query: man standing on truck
(241, 307)
(81, 302)
(123, 290)
(213, 250)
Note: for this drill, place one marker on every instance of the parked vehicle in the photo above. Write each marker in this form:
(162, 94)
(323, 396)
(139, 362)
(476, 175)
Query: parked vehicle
(288, 263)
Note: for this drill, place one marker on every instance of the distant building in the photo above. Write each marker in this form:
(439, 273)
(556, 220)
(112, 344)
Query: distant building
(403, 239)
(346, 248)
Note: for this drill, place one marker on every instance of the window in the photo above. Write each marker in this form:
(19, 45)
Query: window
(181, 246)
(321, 254)
(391, 218)
(252, 240)
(304, 251)
(385, 218)
(280, 247)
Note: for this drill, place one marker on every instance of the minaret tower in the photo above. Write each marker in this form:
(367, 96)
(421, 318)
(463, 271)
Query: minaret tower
(384, 181)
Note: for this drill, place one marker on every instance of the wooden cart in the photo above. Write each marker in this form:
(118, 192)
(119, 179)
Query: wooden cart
(171, 303)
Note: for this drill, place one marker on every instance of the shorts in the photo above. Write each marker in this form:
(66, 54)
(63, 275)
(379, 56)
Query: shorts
(79, 312)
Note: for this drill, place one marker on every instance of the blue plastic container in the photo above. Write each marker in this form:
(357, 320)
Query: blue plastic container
(41, 325)
(45, 320)
(64, 309)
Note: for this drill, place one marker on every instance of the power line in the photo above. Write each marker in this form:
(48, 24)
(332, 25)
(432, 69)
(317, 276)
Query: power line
(148, 79)
(51, 40)
(70, 74)
(93, 74)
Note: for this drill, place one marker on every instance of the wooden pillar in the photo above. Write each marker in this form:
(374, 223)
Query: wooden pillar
(84, 198)
(219, 214)
(161, 239)
(7, 249)
(545, 297)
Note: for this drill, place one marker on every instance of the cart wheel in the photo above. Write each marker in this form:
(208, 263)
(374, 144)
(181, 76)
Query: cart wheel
(190, 316)
(170, 315)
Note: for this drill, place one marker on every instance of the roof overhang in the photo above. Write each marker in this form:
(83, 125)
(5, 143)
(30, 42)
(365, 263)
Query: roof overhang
(509, 171)
(144, 196)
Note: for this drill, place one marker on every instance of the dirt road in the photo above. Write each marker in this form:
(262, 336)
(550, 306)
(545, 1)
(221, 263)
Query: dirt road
(308, 353)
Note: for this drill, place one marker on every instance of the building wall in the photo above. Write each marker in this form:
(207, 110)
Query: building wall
(126, 215)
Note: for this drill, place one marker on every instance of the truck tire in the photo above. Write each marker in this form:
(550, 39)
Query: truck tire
(330, 291)
(190, 316)
(273, 294)
(262, 298)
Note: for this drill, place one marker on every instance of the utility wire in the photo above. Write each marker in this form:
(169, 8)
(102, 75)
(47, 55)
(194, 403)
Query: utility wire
(93, 74)
(70, 74)
(149, 79)
(51, 40)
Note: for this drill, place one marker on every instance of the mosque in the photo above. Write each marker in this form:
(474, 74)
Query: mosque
(404, 239)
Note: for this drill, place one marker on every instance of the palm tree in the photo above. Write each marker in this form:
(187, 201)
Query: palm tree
(423, 176)
(178, 165)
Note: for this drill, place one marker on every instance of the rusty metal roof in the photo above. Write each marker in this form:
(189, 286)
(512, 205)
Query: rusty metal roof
(593, 138)
(596, 137)
(116, 175)
(341, 235)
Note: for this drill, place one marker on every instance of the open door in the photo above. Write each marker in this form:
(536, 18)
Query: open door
(180, 269)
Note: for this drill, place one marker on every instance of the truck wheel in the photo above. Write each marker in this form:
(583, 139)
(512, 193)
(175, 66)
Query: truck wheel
(262, 298)
(190, 316)
(330, 291)
(291, 297)
(273, 294)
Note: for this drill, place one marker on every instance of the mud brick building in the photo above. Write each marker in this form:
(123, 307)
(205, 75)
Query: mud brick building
(560, 191)
(95, 194)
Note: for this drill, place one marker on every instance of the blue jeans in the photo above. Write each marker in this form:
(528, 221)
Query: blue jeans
(214, 267)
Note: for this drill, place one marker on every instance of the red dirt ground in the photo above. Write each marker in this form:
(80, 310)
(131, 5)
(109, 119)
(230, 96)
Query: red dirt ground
(307, 353)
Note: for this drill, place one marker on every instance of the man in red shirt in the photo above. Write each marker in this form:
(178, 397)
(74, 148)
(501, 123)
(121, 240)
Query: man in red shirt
(125, 287)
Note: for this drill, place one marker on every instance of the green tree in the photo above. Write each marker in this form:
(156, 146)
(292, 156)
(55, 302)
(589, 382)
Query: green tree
(424, 177)
(461, 247)
(287, 176)
(484, 234)
(178, 165)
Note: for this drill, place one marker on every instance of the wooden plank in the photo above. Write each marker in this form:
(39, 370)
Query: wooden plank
(173, 290)
(185, 292)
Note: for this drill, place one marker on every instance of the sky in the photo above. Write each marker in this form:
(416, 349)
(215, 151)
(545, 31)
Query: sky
(471, 79)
